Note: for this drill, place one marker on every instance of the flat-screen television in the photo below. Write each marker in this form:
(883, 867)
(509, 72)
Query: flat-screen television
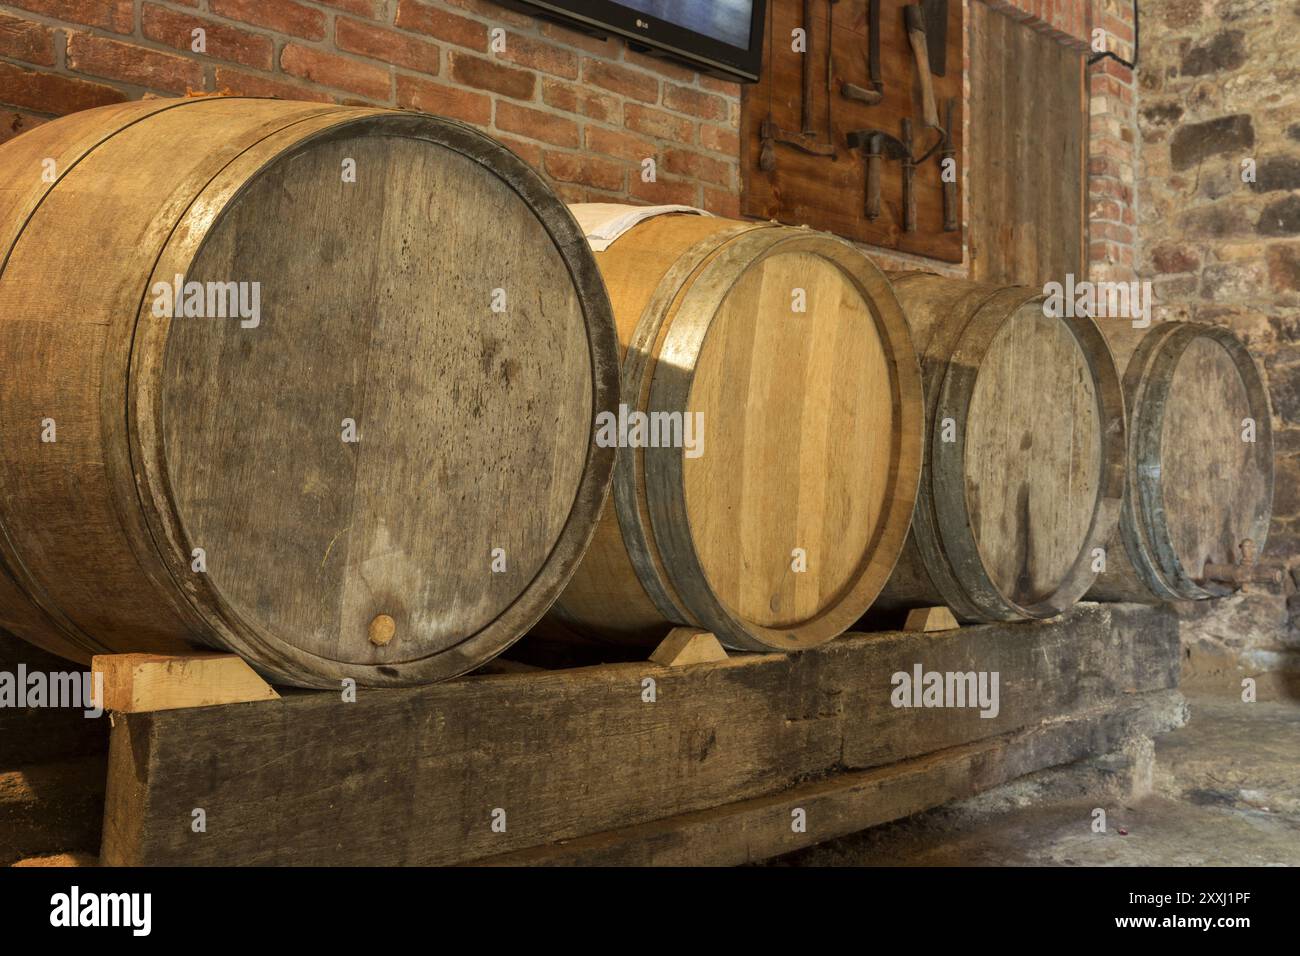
(723, 37)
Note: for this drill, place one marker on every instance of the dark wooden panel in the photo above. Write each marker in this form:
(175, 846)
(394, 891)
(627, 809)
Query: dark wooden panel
(1028, 154)
(828, 193)
(411, 776)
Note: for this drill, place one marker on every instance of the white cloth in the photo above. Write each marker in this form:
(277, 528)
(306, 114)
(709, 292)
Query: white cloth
(603, 222)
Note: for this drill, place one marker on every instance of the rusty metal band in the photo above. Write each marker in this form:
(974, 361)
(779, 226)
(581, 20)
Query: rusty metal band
(1134, 532)
(629, 477)
(925, 522)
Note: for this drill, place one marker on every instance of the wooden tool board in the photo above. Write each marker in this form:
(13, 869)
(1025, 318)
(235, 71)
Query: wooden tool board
(829, 193)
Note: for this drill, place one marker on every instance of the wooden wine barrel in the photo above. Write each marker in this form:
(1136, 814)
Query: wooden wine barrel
(791, 348)
(381, 469)
(1024, 453)
(1200, 463)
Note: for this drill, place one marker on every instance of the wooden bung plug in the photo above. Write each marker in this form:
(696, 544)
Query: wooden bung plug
(382, 629)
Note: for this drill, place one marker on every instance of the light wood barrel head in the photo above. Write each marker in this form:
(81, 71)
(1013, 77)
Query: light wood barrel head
(810, 455)
(472, 484)
(798, 424)
(1033, 455)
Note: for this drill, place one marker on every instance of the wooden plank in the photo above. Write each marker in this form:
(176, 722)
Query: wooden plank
(757, 829)
(412, 776)
(687, 645)
(1028, 145)
(60, 860)
(828, 193)
(135, 683)
(929, 619)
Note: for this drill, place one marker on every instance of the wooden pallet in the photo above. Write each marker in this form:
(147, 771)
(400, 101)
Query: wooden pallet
(581, 766)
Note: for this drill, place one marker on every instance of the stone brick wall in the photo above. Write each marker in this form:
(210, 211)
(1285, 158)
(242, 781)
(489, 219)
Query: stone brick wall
(1219, 85)
(584, 112)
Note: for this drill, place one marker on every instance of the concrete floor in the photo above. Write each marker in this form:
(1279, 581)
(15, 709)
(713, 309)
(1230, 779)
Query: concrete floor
(1223, 790)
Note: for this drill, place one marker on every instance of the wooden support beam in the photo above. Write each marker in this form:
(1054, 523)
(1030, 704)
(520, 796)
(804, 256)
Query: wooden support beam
(930, 619)
(757, 829)
(688, 645)
(137, 683)
(389, 779)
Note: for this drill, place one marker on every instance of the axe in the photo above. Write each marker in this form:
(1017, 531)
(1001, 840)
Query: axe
(915, 21)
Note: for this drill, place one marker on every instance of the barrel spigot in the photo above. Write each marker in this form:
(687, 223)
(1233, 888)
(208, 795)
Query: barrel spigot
(1246, 571)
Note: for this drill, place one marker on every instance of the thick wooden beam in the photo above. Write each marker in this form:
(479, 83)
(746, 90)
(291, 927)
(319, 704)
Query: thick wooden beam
(845, 803)
(421, 775)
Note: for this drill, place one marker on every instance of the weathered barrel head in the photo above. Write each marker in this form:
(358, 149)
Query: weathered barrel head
(1024, 468)
(1200, 473)
(1032, 464)
(353, 362)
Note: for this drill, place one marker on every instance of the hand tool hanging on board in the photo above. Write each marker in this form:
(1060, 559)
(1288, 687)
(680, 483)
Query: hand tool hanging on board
(909, 177)
(873, 95)
(769, 132)
(806, 86)
(936, 34)
(949, 186)
(878, 146)
(830, 70)
(920, 53)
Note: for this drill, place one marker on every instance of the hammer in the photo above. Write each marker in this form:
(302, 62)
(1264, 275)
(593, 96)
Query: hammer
(879, 145)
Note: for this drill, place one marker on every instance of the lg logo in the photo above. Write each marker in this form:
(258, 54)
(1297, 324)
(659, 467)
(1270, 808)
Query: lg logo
(642, 25)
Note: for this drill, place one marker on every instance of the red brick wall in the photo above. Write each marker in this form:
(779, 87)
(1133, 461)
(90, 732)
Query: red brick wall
(1113, 148)
(1066, 20)
(585, 112)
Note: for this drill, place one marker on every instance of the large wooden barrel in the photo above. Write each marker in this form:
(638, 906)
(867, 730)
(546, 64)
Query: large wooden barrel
(382, 469)
(791, 348)
(1200, 463)
(1024, 453)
